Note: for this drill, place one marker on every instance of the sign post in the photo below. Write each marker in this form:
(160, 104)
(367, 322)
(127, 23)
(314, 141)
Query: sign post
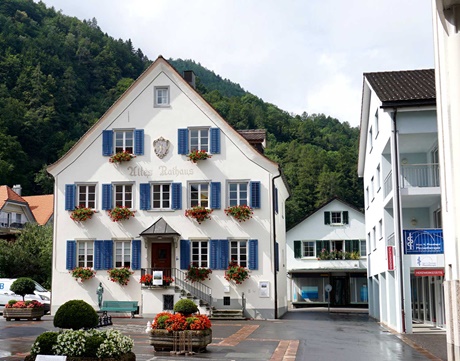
(328, 289)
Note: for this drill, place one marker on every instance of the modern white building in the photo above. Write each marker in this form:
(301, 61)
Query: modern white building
(328, 247)
(446, 24)
(398, 160)
(161, 119)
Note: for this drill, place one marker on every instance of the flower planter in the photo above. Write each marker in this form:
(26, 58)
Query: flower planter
(163, 340)
(23, 313)
(130, 356)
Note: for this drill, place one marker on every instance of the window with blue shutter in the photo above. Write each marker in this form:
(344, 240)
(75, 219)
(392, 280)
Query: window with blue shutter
(107, 262)
(136, 256)
(176, 195)
(182, 139)
(106, 197)
(253, 254)
(214, 253)
(98, 254)
(224, 253)
(255, 194)
(215, 140)
(71, 255)
(139, 141)
(70, 190)
(145, 196)
(184, 254)
(215, 195)
(107, 143)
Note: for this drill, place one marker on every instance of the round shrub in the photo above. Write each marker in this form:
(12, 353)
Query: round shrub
(23, 286)
(185, 306)
(43, 344)
(76, 314)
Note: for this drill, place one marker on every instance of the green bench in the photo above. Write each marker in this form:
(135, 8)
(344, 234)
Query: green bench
(119, 306)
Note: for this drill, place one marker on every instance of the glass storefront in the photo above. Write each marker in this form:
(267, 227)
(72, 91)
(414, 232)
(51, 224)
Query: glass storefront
(428, 300)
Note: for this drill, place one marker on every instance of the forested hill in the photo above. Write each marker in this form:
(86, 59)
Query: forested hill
(58, 75)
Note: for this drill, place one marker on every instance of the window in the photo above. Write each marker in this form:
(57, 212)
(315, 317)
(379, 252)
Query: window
(18, 218)
(378, 178)
(238, 194)
(239, 252)
(199, 139)
(438, 218)
(308, 249)
(199, 194)
(372, 189)
(374, 238)
(124, 195)
(369, 239)
(367, 197)
(337, 245)
(161, 196)
(86, 196)
(124, 141)
(162, 96)
(200, 253)
(336, 218)
(376, 122)
(380, 229)
(122, 253)
(85, 254)
(362, 248)
(371, 140)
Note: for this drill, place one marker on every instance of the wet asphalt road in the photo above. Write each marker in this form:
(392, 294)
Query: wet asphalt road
(316, 336)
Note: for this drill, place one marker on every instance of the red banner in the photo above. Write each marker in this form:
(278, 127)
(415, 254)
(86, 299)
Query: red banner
(390, 257)
(429, 272)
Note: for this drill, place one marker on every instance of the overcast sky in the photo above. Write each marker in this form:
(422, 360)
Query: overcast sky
(301, 55)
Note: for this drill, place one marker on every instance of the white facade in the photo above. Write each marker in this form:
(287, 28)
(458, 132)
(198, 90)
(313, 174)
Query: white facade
(446, 22)
(399, 165)
(336, 226)
(156, 106)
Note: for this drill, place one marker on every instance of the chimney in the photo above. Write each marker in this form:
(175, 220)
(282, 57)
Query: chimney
(189, 77)
(17, 189)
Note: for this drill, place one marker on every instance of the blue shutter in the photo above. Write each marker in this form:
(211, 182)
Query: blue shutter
(106, 197)
(215, 195)
(214, 253)
(139, 141)
(71, 257)
(107, 259)
(224, 254)
(277, 255)
(176, 194)
(182, 139)
(215, 140)
(253, 254)
(184, 254)
(276, 199)
(107, 143)
(136, 256)
(98, 254)
(255, 194)
(70, 190)
(144, 196)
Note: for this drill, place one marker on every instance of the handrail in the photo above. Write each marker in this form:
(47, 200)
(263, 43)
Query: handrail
(196, 289)
(387, 184)
(420, 175)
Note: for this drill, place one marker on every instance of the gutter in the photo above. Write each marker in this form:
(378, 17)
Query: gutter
(398, 221)
(275, 282)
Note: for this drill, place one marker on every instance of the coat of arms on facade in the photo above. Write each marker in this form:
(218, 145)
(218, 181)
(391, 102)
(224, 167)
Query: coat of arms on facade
(161, 147)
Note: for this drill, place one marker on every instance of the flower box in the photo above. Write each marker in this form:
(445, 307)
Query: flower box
(121, 157)
(81, 214)
(240, 213)
(200, 214)
(197, 155)
(120, 213)
(23, 313)
(163, 340)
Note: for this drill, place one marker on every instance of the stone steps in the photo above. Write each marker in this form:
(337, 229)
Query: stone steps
(227, 314)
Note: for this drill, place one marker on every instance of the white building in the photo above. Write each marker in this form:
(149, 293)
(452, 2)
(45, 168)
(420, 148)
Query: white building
(446, 23)
(161, 118)
(398, 160)
(328, 246)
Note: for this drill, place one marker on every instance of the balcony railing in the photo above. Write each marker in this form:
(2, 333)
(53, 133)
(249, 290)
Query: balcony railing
(5, 223)
(388, 184)
(420, 175)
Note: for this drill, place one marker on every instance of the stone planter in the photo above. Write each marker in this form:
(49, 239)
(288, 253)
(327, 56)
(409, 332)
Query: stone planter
(23, 313)
(125, 357)
(162, 340)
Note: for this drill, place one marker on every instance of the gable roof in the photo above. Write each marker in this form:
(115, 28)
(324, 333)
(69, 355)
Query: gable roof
(335, 198)
(404, 88)
(41, 207)
(7, 194)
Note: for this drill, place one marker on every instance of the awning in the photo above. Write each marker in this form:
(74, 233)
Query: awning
(159, 228)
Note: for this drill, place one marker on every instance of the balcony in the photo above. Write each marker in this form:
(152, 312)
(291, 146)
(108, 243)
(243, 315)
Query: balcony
(419, 175)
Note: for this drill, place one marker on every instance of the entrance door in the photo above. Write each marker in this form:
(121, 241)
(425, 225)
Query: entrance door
(161, 257)
(339, 291)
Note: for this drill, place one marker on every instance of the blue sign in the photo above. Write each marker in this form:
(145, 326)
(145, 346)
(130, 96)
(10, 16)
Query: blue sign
(423, 241)
(2, 286)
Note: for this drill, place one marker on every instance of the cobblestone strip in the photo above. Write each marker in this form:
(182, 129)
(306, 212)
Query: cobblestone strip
(286, 351)
(238, 336)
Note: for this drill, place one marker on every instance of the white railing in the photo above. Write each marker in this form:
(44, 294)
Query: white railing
(387, 184)
(420, 175)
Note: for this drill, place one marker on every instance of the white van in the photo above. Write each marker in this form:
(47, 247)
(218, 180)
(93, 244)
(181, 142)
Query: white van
(41, 294)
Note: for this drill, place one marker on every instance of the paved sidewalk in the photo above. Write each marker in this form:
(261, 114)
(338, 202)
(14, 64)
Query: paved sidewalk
(299, 336)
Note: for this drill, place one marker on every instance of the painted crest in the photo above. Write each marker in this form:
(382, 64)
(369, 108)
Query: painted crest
(161, 147)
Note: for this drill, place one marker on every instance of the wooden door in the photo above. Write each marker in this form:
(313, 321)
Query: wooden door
(161, 256)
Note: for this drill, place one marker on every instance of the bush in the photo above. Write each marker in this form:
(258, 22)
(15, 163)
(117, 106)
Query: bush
(23, 286)
(92, 345)
(76, 314)
(185, 306)
(43, 344)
